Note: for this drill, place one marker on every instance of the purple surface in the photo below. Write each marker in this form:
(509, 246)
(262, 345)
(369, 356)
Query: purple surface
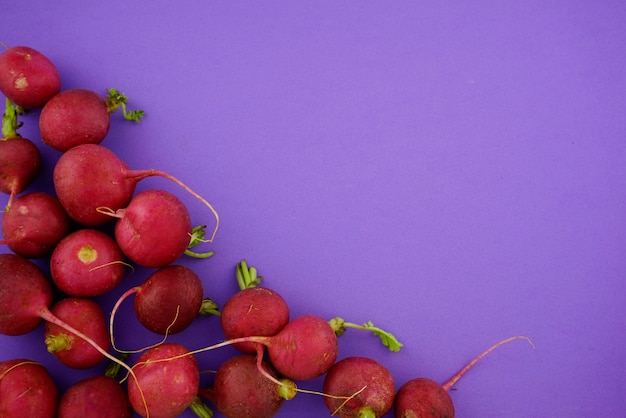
(453, 173)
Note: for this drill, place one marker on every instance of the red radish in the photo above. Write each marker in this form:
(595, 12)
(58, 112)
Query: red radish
(168, 301)
(34, 224)
(90, 177)
(20, 159)
(169, 378)
(25, 294)
(86, 263)
(367, 383)
(422, 397)
(98, 396)
(27, 77)
(154, 230)
(84, 315)
(80, 116)
(239, 390)
(27, 390)
(253, 310)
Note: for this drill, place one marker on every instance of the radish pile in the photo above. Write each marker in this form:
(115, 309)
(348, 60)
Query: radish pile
(95, 188)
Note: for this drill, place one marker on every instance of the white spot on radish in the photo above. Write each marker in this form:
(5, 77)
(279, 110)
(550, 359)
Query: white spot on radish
(21, 83)
(87, 254)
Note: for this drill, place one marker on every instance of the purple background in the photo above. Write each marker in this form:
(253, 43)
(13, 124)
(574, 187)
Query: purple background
(453, 173)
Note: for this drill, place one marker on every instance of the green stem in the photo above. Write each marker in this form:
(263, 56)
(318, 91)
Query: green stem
(116, 100)
(247, 276)
(387, 338)
(113, 368)
(60, 342)
(10, 124)
(200, 408)
(194, 254)
(209, 307)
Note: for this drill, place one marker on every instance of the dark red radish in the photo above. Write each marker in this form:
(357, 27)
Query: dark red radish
(97, 396)
(253, 310)
(34, 224)
(27, 77)
(239, 390)
(368, 384)
(25, 295)
(87, 263)
(86, 316)
(27, 390)
(90, 177)
(168, 301)
(169, 379)
(80, 116)
(425, 398)
(154, 230)
(20, 159)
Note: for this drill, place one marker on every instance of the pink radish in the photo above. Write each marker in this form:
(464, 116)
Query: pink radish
(422, 397)
(168, 301)
(84, 315)
(80, 116)
(154, 230)
(253, 310)
(34, 224)
(239, 390)
(27, 77)
(97, 396)
(169, 378)
(90, 177)
(26, 390)
(20, 159)
(86, 263)
(367, 383)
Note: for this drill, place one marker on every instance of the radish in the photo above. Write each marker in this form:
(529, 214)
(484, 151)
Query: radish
(169, 378)
(253, 310)
(34, 224)
(20, 159)
(368, 384)
(422, 397)
(97, 396)
(27, 390)
(239, 390)
(80, 116)
(25, 294)
(84, 315)
(27, 77)
(86, 263)
(90, 177)
(154, 230)
(168, 301)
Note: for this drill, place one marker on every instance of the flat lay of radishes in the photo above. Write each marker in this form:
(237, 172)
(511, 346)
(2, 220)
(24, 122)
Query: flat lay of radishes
(96, 229)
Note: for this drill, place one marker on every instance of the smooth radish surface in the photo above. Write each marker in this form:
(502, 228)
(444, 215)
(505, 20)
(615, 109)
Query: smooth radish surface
(20, 159)
(74, 117)
(34, 224)
(26, 390)
(154, 230)
(28, 77)
(253, 310)
(423, 397)
(304, 349)
(86, 316)
(239, 390)
(168, 301)
(369, 381)
(97, 396)
(87, 262)
(90, 177)
(168, 386)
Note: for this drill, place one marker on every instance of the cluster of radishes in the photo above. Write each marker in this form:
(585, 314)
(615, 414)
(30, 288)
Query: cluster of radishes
(94, 187)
